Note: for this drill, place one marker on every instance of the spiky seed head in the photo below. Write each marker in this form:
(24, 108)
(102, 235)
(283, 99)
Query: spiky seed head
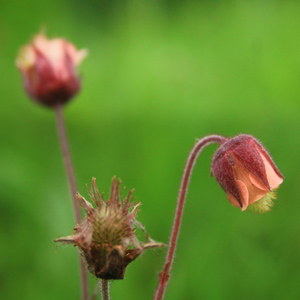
(106, 237)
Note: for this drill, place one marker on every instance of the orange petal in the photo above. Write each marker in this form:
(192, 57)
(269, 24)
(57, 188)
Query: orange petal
(233, 200)
(243, 194)
(255, 189)
(257, 182)
(273, 178)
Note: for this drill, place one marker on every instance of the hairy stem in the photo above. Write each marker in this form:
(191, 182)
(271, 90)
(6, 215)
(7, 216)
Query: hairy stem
(72, 183)
(165, 273)
(105, 289)
(67, 159)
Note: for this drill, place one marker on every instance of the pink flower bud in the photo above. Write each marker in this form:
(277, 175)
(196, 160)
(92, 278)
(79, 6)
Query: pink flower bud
(49, 69)
(247, 173)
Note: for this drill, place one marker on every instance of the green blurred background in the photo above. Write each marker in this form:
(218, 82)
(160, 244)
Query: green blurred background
(159, 75)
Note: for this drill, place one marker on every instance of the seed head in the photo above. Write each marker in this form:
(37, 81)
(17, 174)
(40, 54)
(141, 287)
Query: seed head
(106, 237)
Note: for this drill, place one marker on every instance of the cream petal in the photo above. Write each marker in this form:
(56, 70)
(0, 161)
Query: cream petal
(54, 51)
(76, 55)
(41, 42)
(26, 58)
(81, 54)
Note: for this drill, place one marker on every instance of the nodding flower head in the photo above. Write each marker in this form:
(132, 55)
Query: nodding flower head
(49, 69)
(247, 173)
(106, 237)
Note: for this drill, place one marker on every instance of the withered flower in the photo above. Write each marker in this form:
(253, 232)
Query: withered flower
(247, 173)
(106, 237)
(49, 69)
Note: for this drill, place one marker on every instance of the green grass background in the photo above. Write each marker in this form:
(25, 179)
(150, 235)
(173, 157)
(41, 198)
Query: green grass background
(160, 74)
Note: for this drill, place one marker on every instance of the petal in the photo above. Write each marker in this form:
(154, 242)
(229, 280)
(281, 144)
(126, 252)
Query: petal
(244, 194)
(273, 178)
(26, 58)
(255, 189)
(75, 55)
(257, 182)
(52, 49)
(233, 200)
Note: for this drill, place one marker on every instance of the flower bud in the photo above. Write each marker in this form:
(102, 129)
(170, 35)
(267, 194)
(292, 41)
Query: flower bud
(48, 68)
(106, 237)
(247, 173)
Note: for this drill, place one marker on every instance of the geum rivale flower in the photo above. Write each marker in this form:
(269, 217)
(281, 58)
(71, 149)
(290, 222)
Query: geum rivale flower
(49, 70)
(247, 173)
(106, 237)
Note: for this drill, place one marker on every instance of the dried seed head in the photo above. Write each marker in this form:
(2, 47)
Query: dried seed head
(106, 237)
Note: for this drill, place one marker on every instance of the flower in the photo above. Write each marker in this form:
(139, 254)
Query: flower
(247, 173)
(49, 69)
(106, 237)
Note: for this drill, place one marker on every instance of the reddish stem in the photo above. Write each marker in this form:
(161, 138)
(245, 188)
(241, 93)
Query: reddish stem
(165, 273)
(72, 183)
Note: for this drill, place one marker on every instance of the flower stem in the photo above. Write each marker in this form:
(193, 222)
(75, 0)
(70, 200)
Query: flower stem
(67, 159)
(72, 183)
(165, 273)
(105, 289)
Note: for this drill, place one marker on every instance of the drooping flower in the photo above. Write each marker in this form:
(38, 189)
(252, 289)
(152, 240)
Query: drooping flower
(106, 237)
(49, 71)
(247, 173)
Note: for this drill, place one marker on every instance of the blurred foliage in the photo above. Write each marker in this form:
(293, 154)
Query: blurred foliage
(159, 75)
